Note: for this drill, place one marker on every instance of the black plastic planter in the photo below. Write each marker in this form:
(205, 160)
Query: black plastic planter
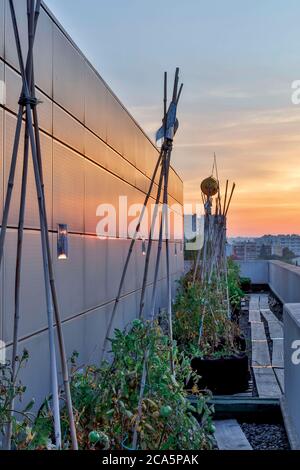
(223, 376)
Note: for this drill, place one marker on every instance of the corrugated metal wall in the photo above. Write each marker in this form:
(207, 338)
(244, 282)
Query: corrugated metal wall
(93, 151)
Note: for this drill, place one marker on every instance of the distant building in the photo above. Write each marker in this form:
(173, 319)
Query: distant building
(245, 251)
(292, 242)
(277, 249)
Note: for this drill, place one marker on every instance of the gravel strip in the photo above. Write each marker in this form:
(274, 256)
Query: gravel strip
(266, 436)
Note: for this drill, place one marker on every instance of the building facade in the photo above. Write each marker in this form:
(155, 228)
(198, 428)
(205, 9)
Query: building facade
(93, 152)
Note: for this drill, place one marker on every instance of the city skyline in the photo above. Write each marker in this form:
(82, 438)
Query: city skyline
(238, 65)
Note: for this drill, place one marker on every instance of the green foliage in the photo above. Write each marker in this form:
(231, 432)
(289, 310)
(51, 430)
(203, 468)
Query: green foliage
(234, 284)
(12, 391)
(202, 309)
(245, 283)
(106, 398)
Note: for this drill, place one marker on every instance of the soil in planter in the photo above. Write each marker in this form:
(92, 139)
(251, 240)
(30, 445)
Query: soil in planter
(223, 376)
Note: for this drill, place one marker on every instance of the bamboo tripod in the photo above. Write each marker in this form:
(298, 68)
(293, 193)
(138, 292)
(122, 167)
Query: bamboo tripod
(214, 258)
(27, 105)
(169, 127)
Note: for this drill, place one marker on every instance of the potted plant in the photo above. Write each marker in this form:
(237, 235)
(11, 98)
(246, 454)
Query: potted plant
(210, 338)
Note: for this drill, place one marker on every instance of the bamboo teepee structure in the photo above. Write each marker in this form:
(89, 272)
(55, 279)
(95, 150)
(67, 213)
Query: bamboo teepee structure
(28, 108)
(211, 263)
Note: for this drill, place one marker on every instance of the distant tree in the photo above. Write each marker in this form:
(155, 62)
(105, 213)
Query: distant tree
(288, 254)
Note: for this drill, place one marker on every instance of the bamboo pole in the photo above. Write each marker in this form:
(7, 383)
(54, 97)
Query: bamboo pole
(28, 103)
(124, 272)
(167, 145)
(150, 240)
(154, 217)
(225, 198)
(166, 225)
(19, 250)
(230, 198)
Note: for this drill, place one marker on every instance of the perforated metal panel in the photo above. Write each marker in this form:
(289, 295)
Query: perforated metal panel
(115, 259)
(95, 149)
(2, 17)
(84, 334)
(75, 186)
(69, 275)
(68, 188)
(10, 44)
(140, 157)
(1, 158)
(31, 211)
(120, 167)
(68, 75)
(13, 84)
(67, 129)
(115, 133)
(100, 188)
(95, 104)
(43, 53)
(44, 109)
(95, 269)
(33, 314)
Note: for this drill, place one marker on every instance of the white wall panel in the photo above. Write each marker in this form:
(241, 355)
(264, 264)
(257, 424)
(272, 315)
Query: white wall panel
(141, 182)
(69, 275)
(67, 129)
(43, 53)
(115, 134)
(31, 211)
(75, 186)
(68, 188)
(45, 112)
(140, 157)
(95, 271)
(1, 209)
(132, 281)
(101, 187)
(95, 149)
(83, 334)
(13, 84)
(120, 167)
(68, 75)
(1, 159)
(130, 139)
(95, 104)
(115, 260)
(33, 313)
(10, 44)
(2, 18)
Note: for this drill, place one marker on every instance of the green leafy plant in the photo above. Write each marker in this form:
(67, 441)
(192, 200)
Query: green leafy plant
(234, 284)
(201, 325)
(12, 391)
(106, 398)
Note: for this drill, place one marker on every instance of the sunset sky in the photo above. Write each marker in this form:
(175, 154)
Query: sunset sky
(238, 60)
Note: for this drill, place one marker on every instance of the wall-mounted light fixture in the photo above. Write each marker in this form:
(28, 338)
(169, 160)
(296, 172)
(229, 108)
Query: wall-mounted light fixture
(143, 247)
(62, 242)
